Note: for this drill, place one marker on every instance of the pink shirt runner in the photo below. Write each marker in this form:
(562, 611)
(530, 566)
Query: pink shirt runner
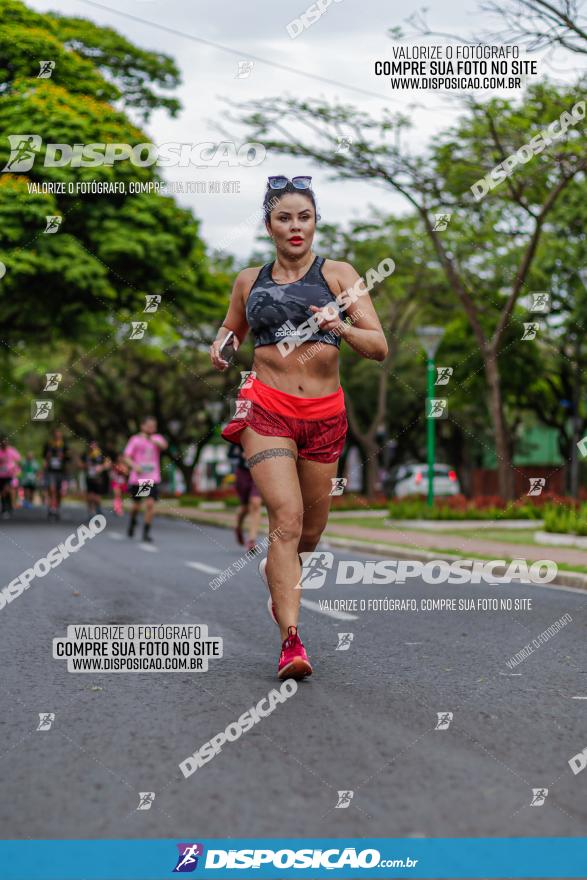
(145, 456)
(8, 461)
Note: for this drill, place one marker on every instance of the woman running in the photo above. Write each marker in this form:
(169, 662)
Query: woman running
(9, 467)
(96, 466)
(28, 478)
(290, 417)
(56, 457)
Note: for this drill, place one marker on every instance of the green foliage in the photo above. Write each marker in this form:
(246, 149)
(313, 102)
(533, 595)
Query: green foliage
(489, 255)
(416, 508)
(130, 378)
(67, 299)
(111, 250)
(566, 520)
(89, 59)
(352, 501)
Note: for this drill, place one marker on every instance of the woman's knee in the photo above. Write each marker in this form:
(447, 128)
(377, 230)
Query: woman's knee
(287, 521)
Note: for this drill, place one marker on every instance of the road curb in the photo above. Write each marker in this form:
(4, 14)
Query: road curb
(198, 521)
(554, 539)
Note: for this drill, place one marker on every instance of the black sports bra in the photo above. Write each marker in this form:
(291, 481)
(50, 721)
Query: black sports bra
(276, 311)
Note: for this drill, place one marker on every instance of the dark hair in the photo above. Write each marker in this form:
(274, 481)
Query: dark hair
(272, 197)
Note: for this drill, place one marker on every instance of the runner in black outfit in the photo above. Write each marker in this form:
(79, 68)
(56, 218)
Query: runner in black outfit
(96, 465)
(56, 457)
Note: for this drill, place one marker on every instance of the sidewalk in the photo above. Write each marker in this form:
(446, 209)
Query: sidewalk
(463, 544)
(400, 543)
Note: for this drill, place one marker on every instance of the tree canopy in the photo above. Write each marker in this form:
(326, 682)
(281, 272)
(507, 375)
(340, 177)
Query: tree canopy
(111, 250)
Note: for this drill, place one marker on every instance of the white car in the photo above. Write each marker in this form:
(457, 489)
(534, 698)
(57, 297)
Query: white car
(412, 479)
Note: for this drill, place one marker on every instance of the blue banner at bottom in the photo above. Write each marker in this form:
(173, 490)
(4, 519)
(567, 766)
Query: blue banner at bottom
(370, 858)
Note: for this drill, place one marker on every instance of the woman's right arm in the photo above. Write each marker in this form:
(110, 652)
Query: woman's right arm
(235, 319)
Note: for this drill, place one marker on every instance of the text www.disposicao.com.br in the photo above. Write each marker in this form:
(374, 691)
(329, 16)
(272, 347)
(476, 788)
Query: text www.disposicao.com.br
(134, 664)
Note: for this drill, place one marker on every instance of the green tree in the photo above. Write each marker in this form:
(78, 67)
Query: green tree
(534, 24)
(112, 249)
(561, 270)
(487, 250)
(90, 60)
(169, 379)
(400, 299)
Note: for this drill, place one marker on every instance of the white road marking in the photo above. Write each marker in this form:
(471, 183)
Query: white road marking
(338, 615)
(509, 674)
(199, 566)
(148, 548)
(578, 698)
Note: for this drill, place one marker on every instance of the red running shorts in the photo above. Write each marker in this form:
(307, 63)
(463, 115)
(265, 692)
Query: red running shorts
(317, 425)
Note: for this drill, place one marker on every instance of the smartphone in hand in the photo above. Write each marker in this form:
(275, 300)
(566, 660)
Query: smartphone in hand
(227, 348)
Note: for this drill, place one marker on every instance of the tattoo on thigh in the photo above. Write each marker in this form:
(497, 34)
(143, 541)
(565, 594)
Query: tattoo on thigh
(269, 453)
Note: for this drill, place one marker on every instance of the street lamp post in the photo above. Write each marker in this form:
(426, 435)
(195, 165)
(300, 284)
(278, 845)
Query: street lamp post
(430, 340)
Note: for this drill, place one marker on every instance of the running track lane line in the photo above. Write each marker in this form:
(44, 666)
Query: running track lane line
(116, 536)
(337, 615)
(199, 566)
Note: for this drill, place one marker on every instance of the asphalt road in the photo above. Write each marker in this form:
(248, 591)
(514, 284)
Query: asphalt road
(364, 722)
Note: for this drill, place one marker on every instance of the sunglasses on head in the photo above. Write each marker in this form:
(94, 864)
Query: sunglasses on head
(280, 181)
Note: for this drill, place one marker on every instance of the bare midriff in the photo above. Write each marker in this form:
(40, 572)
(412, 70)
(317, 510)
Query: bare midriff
(311, 370)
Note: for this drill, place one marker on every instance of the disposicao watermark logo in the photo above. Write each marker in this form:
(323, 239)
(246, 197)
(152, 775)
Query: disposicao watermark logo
(578, 762)
(311, 858)
(46, 720)
(187, 860)
(24, 149)
(312, 14)
(437, 571)
(552, 133)
(146, 800)
(236, 729)
(54, 557)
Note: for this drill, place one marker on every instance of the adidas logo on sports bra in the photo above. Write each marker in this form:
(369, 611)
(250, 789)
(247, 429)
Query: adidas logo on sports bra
(288, 329)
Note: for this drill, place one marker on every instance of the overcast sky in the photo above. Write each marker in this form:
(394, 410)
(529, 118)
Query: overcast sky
(341, 46)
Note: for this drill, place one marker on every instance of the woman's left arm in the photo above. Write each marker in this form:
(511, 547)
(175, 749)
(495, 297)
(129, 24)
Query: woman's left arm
(363, 331)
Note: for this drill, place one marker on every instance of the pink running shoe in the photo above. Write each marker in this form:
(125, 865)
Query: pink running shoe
(293, 660)
(263, 576)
